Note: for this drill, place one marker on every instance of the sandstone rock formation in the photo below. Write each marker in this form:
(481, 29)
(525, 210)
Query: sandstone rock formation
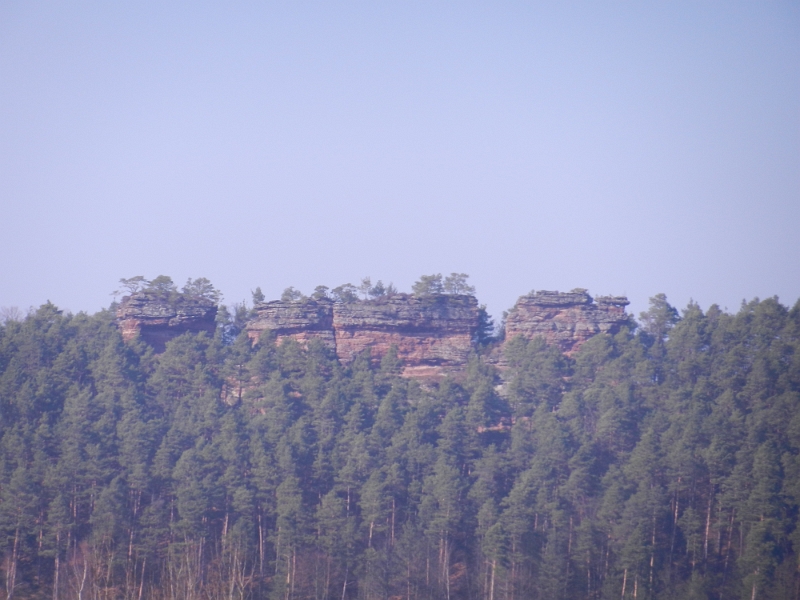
(302, 321)
(566, 320)
(157, 319)
(433, 334)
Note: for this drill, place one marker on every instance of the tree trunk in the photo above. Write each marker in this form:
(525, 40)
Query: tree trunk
(708, 527)
(260, 546)
(57, 567)
(674, 527)
(294, 569)
(624, 583)
(83, 579)
(491, 584)
(728, 546)
(11, 572)
(288, 577)
(328, 575)
(513, 582)
(141, 579)
(393, 510)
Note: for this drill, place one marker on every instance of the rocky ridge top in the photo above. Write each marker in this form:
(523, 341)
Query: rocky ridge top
(566, 319)
(432, 334)
(302, 321)
(158, 318)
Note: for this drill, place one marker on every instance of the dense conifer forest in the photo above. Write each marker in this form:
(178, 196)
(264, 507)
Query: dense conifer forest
(662, 462)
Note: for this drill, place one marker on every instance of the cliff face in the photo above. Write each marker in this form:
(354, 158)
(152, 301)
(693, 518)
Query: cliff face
(158, 319)
(433, 334)
(566, 320)
(302, 321)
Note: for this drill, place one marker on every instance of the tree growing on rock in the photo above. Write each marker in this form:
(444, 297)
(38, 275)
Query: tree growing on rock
(162, 287)
(202, 289)
(320, 293)
(345, 293)
(365, 287)
(378, 290)
(292, 295)
(131, 285)
(456, 283)
(427, 285)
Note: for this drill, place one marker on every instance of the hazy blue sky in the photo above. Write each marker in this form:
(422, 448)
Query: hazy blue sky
(628, 148)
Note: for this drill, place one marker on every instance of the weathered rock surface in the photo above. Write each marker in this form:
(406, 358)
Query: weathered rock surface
(303, 321)
(433, 334)
(566, 320)
(158, 319)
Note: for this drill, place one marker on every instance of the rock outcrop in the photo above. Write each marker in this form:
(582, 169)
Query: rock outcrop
(157, 319)
(433, 334)
(302, 321)
(566, 320)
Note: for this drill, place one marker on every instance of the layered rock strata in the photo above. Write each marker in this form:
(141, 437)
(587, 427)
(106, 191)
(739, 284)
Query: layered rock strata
(157, 319)
(433, 334)
(566, 320)
(302, 321)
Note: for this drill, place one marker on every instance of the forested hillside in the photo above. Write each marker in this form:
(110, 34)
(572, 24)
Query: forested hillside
(662, 462)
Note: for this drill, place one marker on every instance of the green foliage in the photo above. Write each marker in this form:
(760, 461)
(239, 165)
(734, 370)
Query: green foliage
(455, 283)
(346, 293)
(131, 285)
(161, 286)
(368, 290)
(292, 295)
(201, 289)
(659, 318)
(258, 296)
(320, 293)
(427, 285)
(377, 290)
(485, 332)
(664, 464)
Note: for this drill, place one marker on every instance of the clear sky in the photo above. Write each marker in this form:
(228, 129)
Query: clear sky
(624, 147)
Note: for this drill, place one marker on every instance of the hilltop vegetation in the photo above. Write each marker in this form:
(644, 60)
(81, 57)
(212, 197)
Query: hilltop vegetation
(661, 462)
